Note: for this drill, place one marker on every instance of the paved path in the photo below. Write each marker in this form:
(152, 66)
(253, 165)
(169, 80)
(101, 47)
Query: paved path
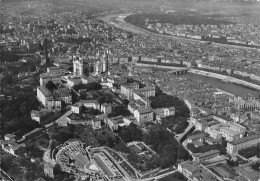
(4, 175)
(187, 130)
(159, 176)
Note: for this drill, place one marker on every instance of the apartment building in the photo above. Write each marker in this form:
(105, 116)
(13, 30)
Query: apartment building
(41, 116)
(245, 142)
(116, 80)
(63, 93)
(213, 133)
(43, 94)
(106, 108)
(91, 104)
(56, 70)
(145, 100)
(96, 123)
(198, 137)
(115, 122)
(128, 89)
(201, 125)
(76, 108)
(133, 105)
(164, 112)
(71, 81)
(229, 134)
(232, 131)
(200, 157)
(46, 77)
(146, 91)
(143, 115)
(195, 172)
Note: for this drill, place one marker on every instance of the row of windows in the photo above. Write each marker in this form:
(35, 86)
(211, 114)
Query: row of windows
(248, 143)
(146, 114)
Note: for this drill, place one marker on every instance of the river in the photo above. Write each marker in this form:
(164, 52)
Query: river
(226, 86)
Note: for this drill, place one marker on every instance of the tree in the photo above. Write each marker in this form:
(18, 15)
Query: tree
(71, 127)
(250, 151)
(93, 111)
(125, 135)
(51, 86)
(256, 166)
(136, 134)
(169, 155)
(7, 56)
(7, 79)
(110, 142)
(183, 154)
(233, 163)
(122, 147)
(120, 110)
(158, 91)
(165, 100)
(24, 108)
(125, 101)
(164, 143)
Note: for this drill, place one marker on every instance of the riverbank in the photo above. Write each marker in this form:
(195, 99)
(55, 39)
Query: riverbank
(226, 78)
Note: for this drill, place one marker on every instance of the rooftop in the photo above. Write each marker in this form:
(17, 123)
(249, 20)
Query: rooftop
(197, 136)
(223, 117)
(211, 152)
(245, 139)
(230, 131)
(148, 88)
(32, 132)
(117, 120)
(89, 101)
(106, 105)
(145, 110)
(74, 79)
(78, 104)
(191, 166)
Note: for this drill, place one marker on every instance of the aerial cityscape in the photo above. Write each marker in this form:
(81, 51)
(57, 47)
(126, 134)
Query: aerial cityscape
(129, 90)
